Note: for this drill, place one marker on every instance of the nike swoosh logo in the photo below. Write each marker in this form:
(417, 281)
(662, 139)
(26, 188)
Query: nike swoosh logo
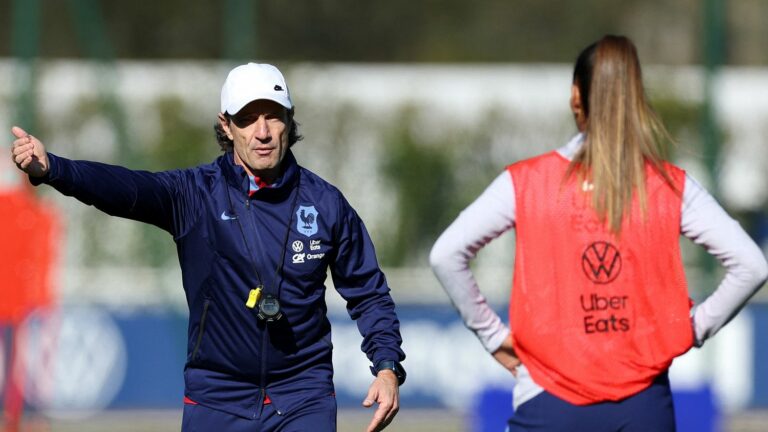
(226, 217)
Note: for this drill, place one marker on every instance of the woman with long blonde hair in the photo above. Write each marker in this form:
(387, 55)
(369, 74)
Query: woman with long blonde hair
(599, 306)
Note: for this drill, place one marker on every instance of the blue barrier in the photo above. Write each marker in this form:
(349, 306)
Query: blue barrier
(491, 410)
(135, 359)
(696, 411)
(759, 397)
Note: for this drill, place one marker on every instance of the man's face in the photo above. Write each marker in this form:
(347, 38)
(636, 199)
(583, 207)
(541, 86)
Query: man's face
(260, 135)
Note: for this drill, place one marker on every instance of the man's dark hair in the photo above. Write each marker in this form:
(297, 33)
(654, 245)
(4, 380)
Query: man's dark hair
(227, 144)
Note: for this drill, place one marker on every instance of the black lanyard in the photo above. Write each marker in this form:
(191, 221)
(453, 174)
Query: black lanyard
(269, 305)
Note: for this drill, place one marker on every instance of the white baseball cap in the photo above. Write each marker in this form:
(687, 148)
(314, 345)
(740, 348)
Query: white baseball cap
(249, 82)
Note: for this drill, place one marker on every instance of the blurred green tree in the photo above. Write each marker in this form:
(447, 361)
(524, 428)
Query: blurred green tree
(400, 30)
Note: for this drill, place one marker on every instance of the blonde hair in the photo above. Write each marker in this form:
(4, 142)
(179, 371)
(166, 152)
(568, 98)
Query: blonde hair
(623, 133)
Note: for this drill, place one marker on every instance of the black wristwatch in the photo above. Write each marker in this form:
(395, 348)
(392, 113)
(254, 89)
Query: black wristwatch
(392, 365)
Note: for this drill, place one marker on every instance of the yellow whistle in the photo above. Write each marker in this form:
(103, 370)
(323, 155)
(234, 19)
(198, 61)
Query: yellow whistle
(253, 297)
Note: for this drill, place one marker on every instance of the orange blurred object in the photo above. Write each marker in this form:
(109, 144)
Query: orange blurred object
(29, 246)
(29, 240)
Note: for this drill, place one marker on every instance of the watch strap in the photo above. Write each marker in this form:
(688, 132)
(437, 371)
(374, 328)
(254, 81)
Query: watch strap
(392, 365)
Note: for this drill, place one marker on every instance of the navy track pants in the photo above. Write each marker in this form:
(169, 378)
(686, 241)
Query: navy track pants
(318, 415)
(651, 410)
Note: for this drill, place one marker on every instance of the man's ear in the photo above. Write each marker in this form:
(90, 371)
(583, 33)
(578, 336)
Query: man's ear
(224, 123)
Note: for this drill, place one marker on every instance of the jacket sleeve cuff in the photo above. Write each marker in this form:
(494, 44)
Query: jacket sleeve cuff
(387, 354)
(50, 175)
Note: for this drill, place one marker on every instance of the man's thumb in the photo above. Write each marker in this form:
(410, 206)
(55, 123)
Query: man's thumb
(19, 132)
(370, 398)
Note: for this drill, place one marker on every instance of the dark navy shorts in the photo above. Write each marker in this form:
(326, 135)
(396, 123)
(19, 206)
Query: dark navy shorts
(316, 415)
(651, 410)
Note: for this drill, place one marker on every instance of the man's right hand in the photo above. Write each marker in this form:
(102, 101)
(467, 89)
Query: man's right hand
(29, 154)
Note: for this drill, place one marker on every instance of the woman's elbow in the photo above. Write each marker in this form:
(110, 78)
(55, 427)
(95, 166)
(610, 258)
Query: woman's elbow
(761, 272)
(437, 256)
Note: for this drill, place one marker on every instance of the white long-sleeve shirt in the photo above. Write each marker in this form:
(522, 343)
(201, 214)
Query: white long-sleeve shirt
(703, 221)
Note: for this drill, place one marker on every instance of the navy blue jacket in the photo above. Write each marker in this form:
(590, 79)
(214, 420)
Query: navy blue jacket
(233, 357)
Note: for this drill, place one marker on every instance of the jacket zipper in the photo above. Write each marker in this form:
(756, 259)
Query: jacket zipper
(263, 381)
(202, 328)
(264, 367)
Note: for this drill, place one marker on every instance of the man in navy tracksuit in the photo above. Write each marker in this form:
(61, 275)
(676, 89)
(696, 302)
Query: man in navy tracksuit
(255, 234)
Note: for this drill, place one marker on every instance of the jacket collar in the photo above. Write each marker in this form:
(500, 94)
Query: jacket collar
(237, 178)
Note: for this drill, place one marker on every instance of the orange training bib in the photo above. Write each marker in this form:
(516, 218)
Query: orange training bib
(595, 316)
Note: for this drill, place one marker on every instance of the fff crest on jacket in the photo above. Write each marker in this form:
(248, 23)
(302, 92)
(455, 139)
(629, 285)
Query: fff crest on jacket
(306, 221)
